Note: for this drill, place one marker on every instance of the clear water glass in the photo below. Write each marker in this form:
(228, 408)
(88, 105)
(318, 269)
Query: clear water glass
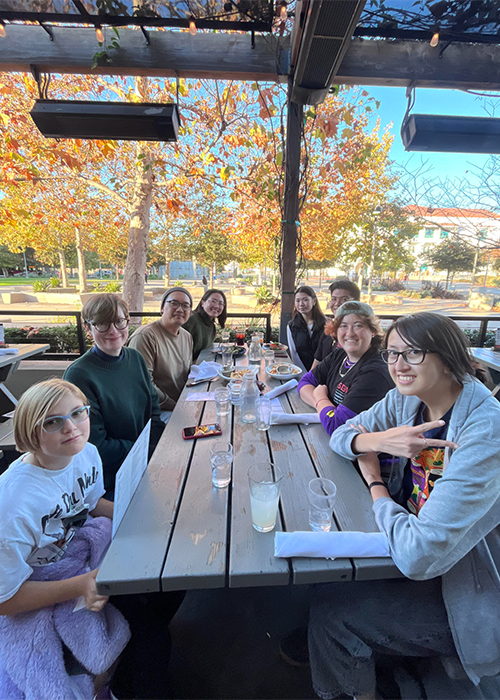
(227, 357)
(322, 494)
(268, 357)
(222, 401)
(235, 388)
(221, 460)
(264, 410)
(265, 484)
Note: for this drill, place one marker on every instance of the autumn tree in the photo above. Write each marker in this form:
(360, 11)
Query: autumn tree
(453, 255)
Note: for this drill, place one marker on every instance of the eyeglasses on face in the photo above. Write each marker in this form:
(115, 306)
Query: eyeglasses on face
(56, 423)
(175, 304)
(120, 324)
(412, 356)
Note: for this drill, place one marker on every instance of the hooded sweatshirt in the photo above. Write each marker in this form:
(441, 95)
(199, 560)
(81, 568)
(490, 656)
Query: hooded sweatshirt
(456, 535)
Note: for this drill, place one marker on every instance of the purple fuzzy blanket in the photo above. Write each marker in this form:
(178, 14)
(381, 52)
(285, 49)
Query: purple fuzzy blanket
(31, 644)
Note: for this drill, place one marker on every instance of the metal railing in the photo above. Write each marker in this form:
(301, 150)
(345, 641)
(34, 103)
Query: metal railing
(80, 330)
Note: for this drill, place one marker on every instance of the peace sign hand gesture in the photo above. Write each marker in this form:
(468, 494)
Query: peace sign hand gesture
(406, 440)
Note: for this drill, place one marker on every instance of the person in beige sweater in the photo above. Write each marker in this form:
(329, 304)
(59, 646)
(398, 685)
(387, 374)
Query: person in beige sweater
(166, 347)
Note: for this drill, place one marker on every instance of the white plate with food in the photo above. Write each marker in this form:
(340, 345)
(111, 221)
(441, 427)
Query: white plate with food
(237, 372)
(277, 347)
(283, 370)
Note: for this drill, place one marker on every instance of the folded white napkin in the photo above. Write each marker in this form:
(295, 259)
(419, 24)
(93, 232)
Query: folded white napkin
(201, 396)
(205, 370)
(331, 544)
(9, 351)
(292, 418)
(281, 389)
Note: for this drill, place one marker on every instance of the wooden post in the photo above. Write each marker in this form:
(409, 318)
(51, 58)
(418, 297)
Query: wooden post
(290, 210)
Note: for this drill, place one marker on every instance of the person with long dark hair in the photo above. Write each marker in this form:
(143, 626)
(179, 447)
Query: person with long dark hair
(201, 324)
(440, 510)
(306, 328)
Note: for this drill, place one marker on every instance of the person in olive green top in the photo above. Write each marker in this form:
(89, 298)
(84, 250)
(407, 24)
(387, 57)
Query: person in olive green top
(117, 385)
(201, 323)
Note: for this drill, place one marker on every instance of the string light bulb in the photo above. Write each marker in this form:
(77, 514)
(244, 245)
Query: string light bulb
(99, 34)
(435, 40)
(2, 29)
(192, 27)
(283, 11)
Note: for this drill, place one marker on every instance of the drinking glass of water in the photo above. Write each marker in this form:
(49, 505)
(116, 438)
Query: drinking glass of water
(322, 493)
(221, 459)
(222, 399)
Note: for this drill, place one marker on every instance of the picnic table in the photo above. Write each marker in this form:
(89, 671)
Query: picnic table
(9, 364)
(490, 358)
(180, 532)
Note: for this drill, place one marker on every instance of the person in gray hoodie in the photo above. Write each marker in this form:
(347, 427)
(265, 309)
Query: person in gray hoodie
(440, 510)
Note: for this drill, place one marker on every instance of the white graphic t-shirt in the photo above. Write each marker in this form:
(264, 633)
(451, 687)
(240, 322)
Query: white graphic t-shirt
(40, 511)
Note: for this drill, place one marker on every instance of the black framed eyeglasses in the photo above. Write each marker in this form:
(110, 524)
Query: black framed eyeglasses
(175, 304)
(120, 324)
(412, 356)
(56, 423)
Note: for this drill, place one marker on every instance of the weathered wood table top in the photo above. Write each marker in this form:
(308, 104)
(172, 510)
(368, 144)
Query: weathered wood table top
(180, 532)
(487, 356)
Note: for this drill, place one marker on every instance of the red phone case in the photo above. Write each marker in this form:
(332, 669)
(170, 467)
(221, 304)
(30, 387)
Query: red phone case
(210, 433)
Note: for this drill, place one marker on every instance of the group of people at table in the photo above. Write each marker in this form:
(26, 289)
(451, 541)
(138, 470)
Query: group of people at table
(406, 406)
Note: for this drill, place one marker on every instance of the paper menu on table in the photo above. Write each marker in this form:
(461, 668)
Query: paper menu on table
(129, 476)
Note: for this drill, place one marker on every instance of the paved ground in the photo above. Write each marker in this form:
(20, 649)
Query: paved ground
(225, 644)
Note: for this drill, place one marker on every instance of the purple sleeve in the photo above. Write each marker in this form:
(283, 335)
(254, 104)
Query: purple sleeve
(308, 378)
(338, 417)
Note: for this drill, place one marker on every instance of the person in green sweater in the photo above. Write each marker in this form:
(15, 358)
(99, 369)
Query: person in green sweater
(201, 323)
(117, 384)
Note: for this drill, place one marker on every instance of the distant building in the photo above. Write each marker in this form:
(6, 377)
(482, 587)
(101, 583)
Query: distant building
(476, 226)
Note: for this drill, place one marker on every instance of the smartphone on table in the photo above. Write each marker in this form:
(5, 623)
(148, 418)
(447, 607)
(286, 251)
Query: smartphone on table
(199, 431)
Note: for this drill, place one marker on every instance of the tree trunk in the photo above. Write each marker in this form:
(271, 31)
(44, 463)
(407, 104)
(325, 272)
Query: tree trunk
(138, 237)
(476, 257)
(82, 273)
(117, 272)
(320, 270)
(167, 262)
(64, 271)
(211, 275)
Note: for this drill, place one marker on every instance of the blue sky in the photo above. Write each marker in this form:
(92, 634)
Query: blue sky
(430, 101)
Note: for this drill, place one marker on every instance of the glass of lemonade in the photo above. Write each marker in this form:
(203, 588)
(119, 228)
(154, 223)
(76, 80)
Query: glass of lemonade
(265, 483)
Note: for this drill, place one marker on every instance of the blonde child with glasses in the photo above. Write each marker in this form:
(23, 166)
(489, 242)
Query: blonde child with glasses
(46, 498)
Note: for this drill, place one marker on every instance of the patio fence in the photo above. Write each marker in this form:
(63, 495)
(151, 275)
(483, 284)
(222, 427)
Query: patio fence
(38, 336)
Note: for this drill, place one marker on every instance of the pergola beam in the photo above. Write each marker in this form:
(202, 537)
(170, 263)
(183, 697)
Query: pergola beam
(230, 57)
(169, 54)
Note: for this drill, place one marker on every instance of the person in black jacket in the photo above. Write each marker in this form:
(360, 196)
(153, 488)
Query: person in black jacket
(353, 376)
(306, 328)
(342, 290)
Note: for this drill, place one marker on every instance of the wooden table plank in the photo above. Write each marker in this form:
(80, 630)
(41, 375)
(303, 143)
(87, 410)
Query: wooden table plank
(291, 455)
(25, 350)
(197, 552)
(487, 356)
(135, 559)
(251, 553)
(353, 508)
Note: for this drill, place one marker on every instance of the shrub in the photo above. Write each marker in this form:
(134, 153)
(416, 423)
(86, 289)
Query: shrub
(54, 282)
(60, 339)
(113, 287)
(394, 285)
(41, 285)
(473, 337)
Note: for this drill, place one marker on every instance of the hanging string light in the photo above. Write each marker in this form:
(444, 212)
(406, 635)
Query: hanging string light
(2, 29)
(435, 39)
(192, 27)
(99, 34)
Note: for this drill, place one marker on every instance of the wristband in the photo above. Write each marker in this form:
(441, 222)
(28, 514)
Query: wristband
(376, 483)
(320, 400)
